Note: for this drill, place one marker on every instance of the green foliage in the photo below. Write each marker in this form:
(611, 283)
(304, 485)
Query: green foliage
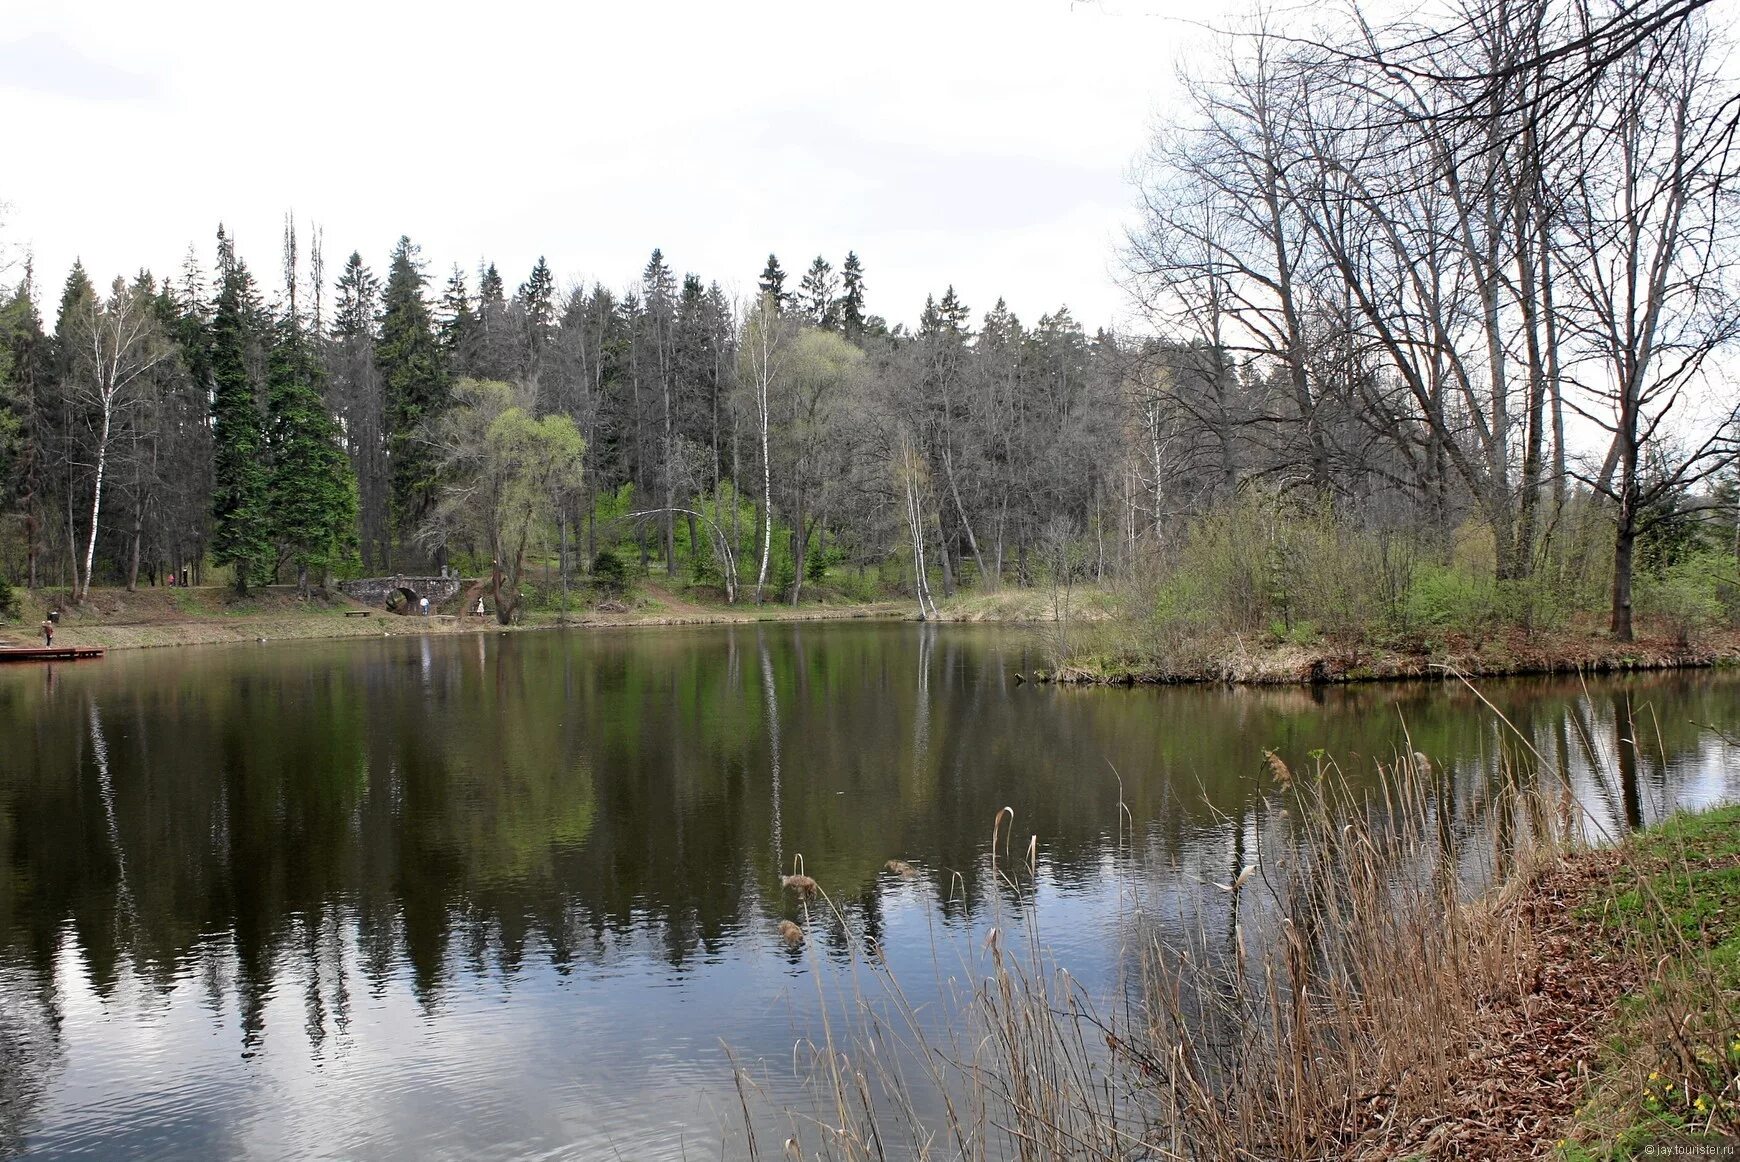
(8, 601)
(1447, 598)
(818, 563)
(854, 585)
(1269, 567)
(1672, 1061)
(414, 390)
(1690, 596)
(313, 491)
(609, 574)
(514, 468)
(241, 535)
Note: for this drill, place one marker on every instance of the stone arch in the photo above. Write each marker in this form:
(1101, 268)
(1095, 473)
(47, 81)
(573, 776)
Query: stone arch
(402, 599)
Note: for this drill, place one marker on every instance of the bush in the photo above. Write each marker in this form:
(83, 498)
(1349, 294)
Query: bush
(609, 574)
(819, 561)
(8, 601)
(1448, 599)
(1687, 595)
(854, 585)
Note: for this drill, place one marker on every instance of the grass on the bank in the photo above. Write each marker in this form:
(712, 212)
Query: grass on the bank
(1670, 1076)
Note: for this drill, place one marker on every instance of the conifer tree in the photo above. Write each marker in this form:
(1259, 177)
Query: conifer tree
(62, 421)
(241, 520)
(356, 394)
(501, 348)
(313, 491)
(23, 349)
(491, 290)
(816, 295)
(538, 297)
(772, 283)
(414, 389)
(458, 323)
(851, 304)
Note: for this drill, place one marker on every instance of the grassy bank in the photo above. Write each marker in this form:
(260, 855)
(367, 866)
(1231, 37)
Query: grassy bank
(1100, 654)
(1345, 997)
(117, 619)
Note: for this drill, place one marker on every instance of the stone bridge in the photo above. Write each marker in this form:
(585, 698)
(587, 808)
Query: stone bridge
(402, 593)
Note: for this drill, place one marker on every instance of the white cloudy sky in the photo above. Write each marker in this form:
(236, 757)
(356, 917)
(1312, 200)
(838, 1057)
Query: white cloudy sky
(983, 144)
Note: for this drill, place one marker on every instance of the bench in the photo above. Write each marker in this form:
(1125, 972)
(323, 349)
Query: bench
(358, 612)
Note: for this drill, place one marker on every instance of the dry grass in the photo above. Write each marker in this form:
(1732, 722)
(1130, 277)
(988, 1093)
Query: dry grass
(1403, 979)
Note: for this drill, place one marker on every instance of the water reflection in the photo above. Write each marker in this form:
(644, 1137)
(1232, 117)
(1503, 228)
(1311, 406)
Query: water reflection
(507, 893)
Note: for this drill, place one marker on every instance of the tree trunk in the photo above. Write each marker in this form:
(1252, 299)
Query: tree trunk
(767, 502)
(942, 544)
(96, 504)
(1624, 547)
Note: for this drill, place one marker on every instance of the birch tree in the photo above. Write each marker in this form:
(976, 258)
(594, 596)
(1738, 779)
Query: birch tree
(119, 342)
(766, 337)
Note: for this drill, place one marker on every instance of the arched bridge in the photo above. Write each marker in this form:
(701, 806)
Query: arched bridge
(381, 591)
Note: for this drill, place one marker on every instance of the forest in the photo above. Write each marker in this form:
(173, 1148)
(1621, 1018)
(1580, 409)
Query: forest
(1436, 324)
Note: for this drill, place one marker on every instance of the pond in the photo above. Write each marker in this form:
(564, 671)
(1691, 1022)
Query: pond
(513, 895)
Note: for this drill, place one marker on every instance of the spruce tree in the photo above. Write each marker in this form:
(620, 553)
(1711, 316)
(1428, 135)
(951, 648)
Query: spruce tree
(817, 295)
(354, 315)
(414, 389)
(501, 348)
(26, 351)
(491, 290)
(356, 393)
(537, 296)
(241, 520)
(313, 491)
(458, 326)
(851, 305)
(772, 283)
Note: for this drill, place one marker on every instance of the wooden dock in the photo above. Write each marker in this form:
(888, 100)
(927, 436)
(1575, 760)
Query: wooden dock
(48, 653)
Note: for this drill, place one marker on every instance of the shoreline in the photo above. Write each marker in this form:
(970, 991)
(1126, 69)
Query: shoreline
(155, 619)
(1622, 1038)
(296, 621)
(1516, 656)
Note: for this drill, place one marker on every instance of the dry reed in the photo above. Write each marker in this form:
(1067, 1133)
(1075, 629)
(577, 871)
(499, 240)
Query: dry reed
(1369, 939)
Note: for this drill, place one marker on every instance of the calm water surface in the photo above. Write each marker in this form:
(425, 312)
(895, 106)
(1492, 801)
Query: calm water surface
(507, 896)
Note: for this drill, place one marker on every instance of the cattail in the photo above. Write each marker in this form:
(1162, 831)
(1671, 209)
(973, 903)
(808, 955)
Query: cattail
(798, 882)
(1244, 878)
(1279, 768)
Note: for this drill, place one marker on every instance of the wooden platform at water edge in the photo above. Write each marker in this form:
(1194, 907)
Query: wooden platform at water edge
(48, 653)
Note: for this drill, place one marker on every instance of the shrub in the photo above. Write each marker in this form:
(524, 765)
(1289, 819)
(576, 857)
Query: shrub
(1687, 595)
(609, 574)
(1448, 599)
(856, 585)
(8, 601)
(819, 561)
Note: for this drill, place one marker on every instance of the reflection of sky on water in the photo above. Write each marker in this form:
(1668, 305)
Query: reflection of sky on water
(510, 897)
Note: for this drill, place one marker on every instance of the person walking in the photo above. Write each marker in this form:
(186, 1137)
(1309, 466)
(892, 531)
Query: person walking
(48, 633)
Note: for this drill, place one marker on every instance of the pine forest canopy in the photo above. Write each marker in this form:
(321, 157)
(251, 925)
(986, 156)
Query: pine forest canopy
(1387, 270)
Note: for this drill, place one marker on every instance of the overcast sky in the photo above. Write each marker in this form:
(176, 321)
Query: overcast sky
(983, 144)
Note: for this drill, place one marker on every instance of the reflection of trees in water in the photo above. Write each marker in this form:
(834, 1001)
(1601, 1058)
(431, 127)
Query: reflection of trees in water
(31, 1053)
(575, 797)
(771, 694)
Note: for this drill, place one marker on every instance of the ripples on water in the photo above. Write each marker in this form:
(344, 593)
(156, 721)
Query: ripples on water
(508, 896)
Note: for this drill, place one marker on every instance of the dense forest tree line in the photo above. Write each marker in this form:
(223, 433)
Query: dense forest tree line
(179, 425)
(1475, 271)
